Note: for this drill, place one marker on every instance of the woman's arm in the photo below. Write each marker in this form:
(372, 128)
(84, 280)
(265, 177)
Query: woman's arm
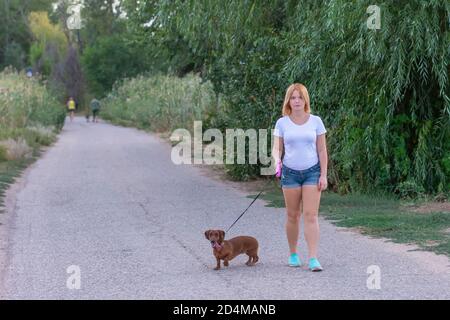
(323, 158)
(277, 150)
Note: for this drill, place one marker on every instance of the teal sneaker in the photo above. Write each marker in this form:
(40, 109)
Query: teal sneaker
(314, 265)
(294, 260)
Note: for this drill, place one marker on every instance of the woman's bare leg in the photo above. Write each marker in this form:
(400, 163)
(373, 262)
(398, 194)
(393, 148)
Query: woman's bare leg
(311, 202)
(292, 198)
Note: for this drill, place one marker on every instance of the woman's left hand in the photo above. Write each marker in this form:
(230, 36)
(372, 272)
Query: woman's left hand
(323, 184)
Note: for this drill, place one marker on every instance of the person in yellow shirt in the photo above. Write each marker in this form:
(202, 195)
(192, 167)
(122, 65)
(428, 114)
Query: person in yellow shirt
(71, 106)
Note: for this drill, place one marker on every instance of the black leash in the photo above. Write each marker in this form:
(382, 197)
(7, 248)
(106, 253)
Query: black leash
(249, 206)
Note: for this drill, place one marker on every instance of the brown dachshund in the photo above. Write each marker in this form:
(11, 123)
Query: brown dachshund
(226, 250)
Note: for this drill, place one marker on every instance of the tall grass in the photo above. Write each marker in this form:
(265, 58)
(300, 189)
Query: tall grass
(159, 103)
(29, 115)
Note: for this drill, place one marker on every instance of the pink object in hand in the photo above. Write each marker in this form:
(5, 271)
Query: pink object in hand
(278, 170)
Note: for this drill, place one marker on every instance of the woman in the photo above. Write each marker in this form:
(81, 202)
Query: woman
(301, 136)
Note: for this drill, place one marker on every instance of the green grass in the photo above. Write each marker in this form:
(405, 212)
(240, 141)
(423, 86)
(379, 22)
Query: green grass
(381, 217)
(9, 171)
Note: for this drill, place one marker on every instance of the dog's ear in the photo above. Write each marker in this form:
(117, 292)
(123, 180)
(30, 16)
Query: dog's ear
(207, 234)
(222, 234)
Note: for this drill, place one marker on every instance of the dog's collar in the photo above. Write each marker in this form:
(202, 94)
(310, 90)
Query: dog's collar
(216, 245)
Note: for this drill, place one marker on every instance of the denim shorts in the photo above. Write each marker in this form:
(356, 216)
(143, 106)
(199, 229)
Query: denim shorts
(291, 178)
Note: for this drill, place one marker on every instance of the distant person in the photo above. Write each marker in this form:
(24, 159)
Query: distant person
(29, 72)
(71, 106)
(95, 107)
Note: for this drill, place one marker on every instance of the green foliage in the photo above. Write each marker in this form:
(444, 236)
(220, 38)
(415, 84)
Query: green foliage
(160, 103)
(46, 32)
(25, 103)
(383, 94)
(15, 55)
(109, 60)
(3, 153)
(50, 43)
(36, 52)
(15, 35)
(153, 27)
(101, 18)
(386, 92)
(410, 189)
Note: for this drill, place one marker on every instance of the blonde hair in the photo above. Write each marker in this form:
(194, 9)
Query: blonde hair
(287, 110)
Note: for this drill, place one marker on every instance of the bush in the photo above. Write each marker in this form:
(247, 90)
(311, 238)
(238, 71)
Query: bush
(42, 135)
(3, 153)
(160, 103)
(24, 102)
(16, 149)
(29, 115)
(410, 189)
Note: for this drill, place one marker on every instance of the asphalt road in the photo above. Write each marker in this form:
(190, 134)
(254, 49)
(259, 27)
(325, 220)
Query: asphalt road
(107, 204)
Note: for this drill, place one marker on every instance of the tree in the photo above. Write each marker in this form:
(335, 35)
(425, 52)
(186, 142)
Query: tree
(50, 43)
(109, 60)
(68, 74)
(15, 36)
(101, 18)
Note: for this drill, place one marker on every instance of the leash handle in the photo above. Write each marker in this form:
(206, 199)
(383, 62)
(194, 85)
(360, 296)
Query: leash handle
(247, 207)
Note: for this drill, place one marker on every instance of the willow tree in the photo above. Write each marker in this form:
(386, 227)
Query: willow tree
(383, 92)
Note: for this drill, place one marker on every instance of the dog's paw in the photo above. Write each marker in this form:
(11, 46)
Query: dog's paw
(226, 264)
(217, 268)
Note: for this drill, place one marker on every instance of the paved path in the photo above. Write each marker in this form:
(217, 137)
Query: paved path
(109, 200)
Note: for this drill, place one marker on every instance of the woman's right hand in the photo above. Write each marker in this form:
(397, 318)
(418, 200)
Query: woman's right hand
(278, 169)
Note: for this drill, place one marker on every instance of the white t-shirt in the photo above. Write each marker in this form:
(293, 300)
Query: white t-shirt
(300, 151)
